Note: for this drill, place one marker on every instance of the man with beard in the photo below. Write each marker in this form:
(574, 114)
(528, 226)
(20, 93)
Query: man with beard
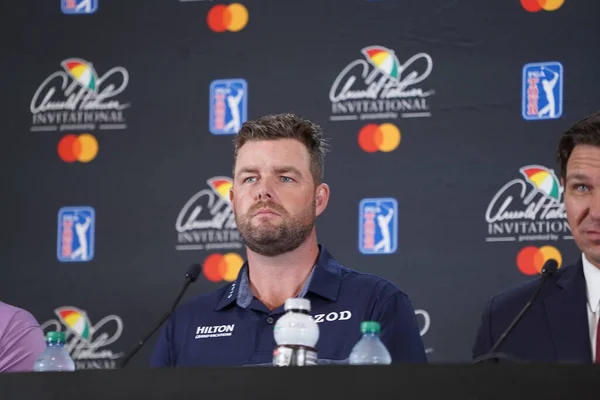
(562, 324)
(277, 193)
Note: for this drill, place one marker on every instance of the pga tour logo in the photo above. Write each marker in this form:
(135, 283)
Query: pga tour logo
(542, 91)
(378, 226)
(228, 106)
(76, 234)
(79, 6)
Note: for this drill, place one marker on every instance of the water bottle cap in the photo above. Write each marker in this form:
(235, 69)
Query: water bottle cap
(56, 336)
(370, 327)
(297, 304)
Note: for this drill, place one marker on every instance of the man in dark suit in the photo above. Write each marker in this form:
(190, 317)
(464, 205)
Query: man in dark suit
(562, 324)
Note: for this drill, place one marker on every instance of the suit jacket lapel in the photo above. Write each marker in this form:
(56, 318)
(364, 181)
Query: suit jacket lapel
(566, 310)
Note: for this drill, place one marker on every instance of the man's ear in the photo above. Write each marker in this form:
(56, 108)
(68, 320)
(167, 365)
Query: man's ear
(322, 198)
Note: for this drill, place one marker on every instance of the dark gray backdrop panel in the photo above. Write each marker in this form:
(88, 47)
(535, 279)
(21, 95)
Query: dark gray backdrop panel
(443, 175)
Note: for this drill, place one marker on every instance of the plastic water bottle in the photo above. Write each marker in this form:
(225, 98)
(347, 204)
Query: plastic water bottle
(370, 349)
(55, 357)
(296, 334)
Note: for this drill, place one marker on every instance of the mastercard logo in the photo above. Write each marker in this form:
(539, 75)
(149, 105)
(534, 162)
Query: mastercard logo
(531, 259)
(232, 18)
(82, 148)
(384, 137)
(539, 5)
(222, 267)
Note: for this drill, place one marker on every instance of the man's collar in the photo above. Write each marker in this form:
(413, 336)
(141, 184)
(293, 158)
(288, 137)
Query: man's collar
(327, 277)
(592, 280)
(324, 280)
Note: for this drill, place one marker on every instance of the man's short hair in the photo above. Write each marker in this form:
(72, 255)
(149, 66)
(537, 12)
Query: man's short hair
(585, 131)
(286, 126)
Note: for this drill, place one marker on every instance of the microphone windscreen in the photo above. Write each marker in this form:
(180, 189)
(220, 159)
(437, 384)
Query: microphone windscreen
(193, 272)
(550, 267)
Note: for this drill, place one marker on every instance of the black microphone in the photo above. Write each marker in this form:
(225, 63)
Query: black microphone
(191, 275)
(548, 270)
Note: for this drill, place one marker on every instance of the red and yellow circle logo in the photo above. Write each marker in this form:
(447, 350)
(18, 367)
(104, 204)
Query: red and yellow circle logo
(531, 259)
(222, 267)
(82, 148)
(232, 18)
(539, 5)
(385, 137)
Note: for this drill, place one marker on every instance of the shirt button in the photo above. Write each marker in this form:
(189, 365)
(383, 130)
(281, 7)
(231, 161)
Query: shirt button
(270, 320)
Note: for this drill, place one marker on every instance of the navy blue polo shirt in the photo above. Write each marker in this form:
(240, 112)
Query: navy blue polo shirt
(230, 327)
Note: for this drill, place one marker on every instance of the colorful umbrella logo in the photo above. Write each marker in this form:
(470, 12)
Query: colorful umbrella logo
(221, 185)
(383, 59)
(543, 180)
(76, 321)
(82, 71)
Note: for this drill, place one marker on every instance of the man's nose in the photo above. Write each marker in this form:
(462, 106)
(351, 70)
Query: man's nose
(264, 190)
(595, 206)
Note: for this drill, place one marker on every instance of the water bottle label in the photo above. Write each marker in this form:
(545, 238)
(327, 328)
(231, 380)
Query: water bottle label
(289, 356)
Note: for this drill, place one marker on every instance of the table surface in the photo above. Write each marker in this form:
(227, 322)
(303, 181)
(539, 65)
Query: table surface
(433, 381)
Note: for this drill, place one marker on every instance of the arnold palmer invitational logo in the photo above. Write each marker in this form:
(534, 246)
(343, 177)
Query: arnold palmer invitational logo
(206, 221)
(77, 98)
(379, 86)
(86, 343)
(528, 208)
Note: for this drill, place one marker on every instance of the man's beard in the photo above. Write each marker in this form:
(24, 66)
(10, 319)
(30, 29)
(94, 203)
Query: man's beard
(272, 240)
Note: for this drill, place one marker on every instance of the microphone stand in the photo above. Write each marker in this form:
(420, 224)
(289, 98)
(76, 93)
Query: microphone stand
(133, 352)
(548, 269)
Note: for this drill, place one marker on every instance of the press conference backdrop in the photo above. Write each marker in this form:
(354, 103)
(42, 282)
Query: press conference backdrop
(442, 118)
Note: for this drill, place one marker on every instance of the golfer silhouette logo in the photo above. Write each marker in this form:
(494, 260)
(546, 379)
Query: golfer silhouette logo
(76, 231)
(542, 91)
(378, 226)
(228, 106)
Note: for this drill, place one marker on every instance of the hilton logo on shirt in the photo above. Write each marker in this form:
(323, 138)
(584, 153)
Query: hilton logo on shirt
(204, 332)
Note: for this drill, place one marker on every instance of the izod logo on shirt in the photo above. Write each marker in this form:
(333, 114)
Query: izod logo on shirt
(333, 316)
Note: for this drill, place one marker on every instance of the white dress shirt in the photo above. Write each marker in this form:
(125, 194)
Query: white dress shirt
(592, 281)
